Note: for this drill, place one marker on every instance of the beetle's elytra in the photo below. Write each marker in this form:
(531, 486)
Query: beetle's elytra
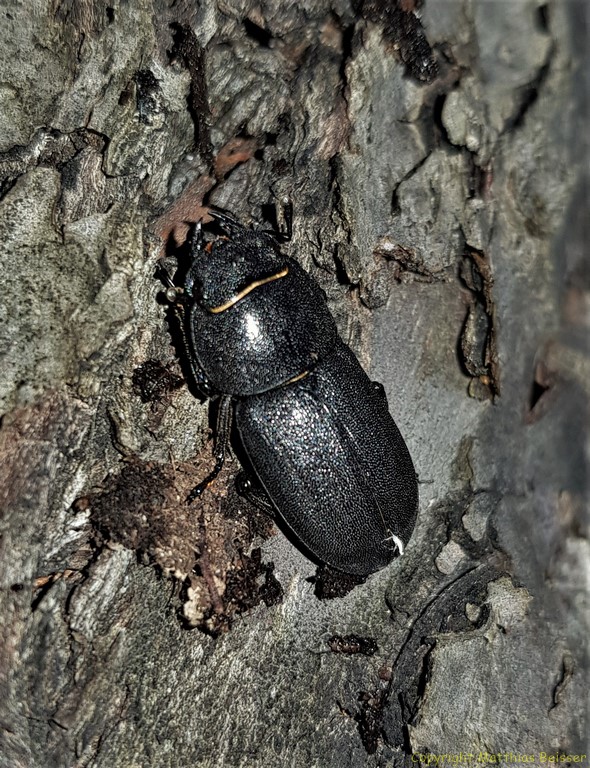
(326, 454)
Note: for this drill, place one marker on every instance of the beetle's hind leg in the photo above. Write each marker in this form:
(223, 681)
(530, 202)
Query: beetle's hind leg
(224, 421)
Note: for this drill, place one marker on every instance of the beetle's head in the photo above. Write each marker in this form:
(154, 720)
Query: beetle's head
(226, 269)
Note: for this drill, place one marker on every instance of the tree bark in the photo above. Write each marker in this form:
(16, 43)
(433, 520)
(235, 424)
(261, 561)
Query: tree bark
(436, 156)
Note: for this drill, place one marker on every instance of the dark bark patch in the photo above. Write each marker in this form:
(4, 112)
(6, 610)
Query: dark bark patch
(541, 392)
(153, 381)
(259, 34)
(349, 645)
(565, 675)
(330, 583)
(205, 545)
(405, 35)
(477, 342)
(146, 95)
(370, 719)
(188, 49)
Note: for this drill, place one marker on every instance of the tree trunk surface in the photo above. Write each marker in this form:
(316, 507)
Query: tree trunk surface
(436, 157)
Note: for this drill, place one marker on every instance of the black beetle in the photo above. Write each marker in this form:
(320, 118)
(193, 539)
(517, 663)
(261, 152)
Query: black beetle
(325, 452)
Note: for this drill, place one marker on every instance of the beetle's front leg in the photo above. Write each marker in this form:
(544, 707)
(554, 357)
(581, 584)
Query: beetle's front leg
(177, 298)
(285, 217)
(224, 421)
(173, 292)
(199, 375)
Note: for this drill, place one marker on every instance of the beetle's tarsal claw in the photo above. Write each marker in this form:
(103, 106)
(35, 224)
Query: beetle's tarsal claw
(197, 492)
(202, 486)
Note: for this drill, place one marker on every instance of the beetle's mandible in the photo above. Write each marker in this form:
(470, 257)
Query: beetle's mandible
(325, 453)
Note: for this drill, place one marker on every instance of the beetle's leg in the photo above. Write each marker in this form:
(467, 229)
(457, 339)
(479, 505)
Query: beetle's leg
(283, 231)
(285, 217)
(231, 225)
(182, 302)
(195, 247)
(198, 374)
(224, 420)
(173, 292)
(197, 238)
(247, 487)
(177, 298)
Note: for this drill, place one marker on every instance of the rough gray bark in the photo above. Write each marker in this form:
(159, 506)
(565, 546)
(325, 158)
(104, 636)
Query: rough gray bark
(445, 214)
